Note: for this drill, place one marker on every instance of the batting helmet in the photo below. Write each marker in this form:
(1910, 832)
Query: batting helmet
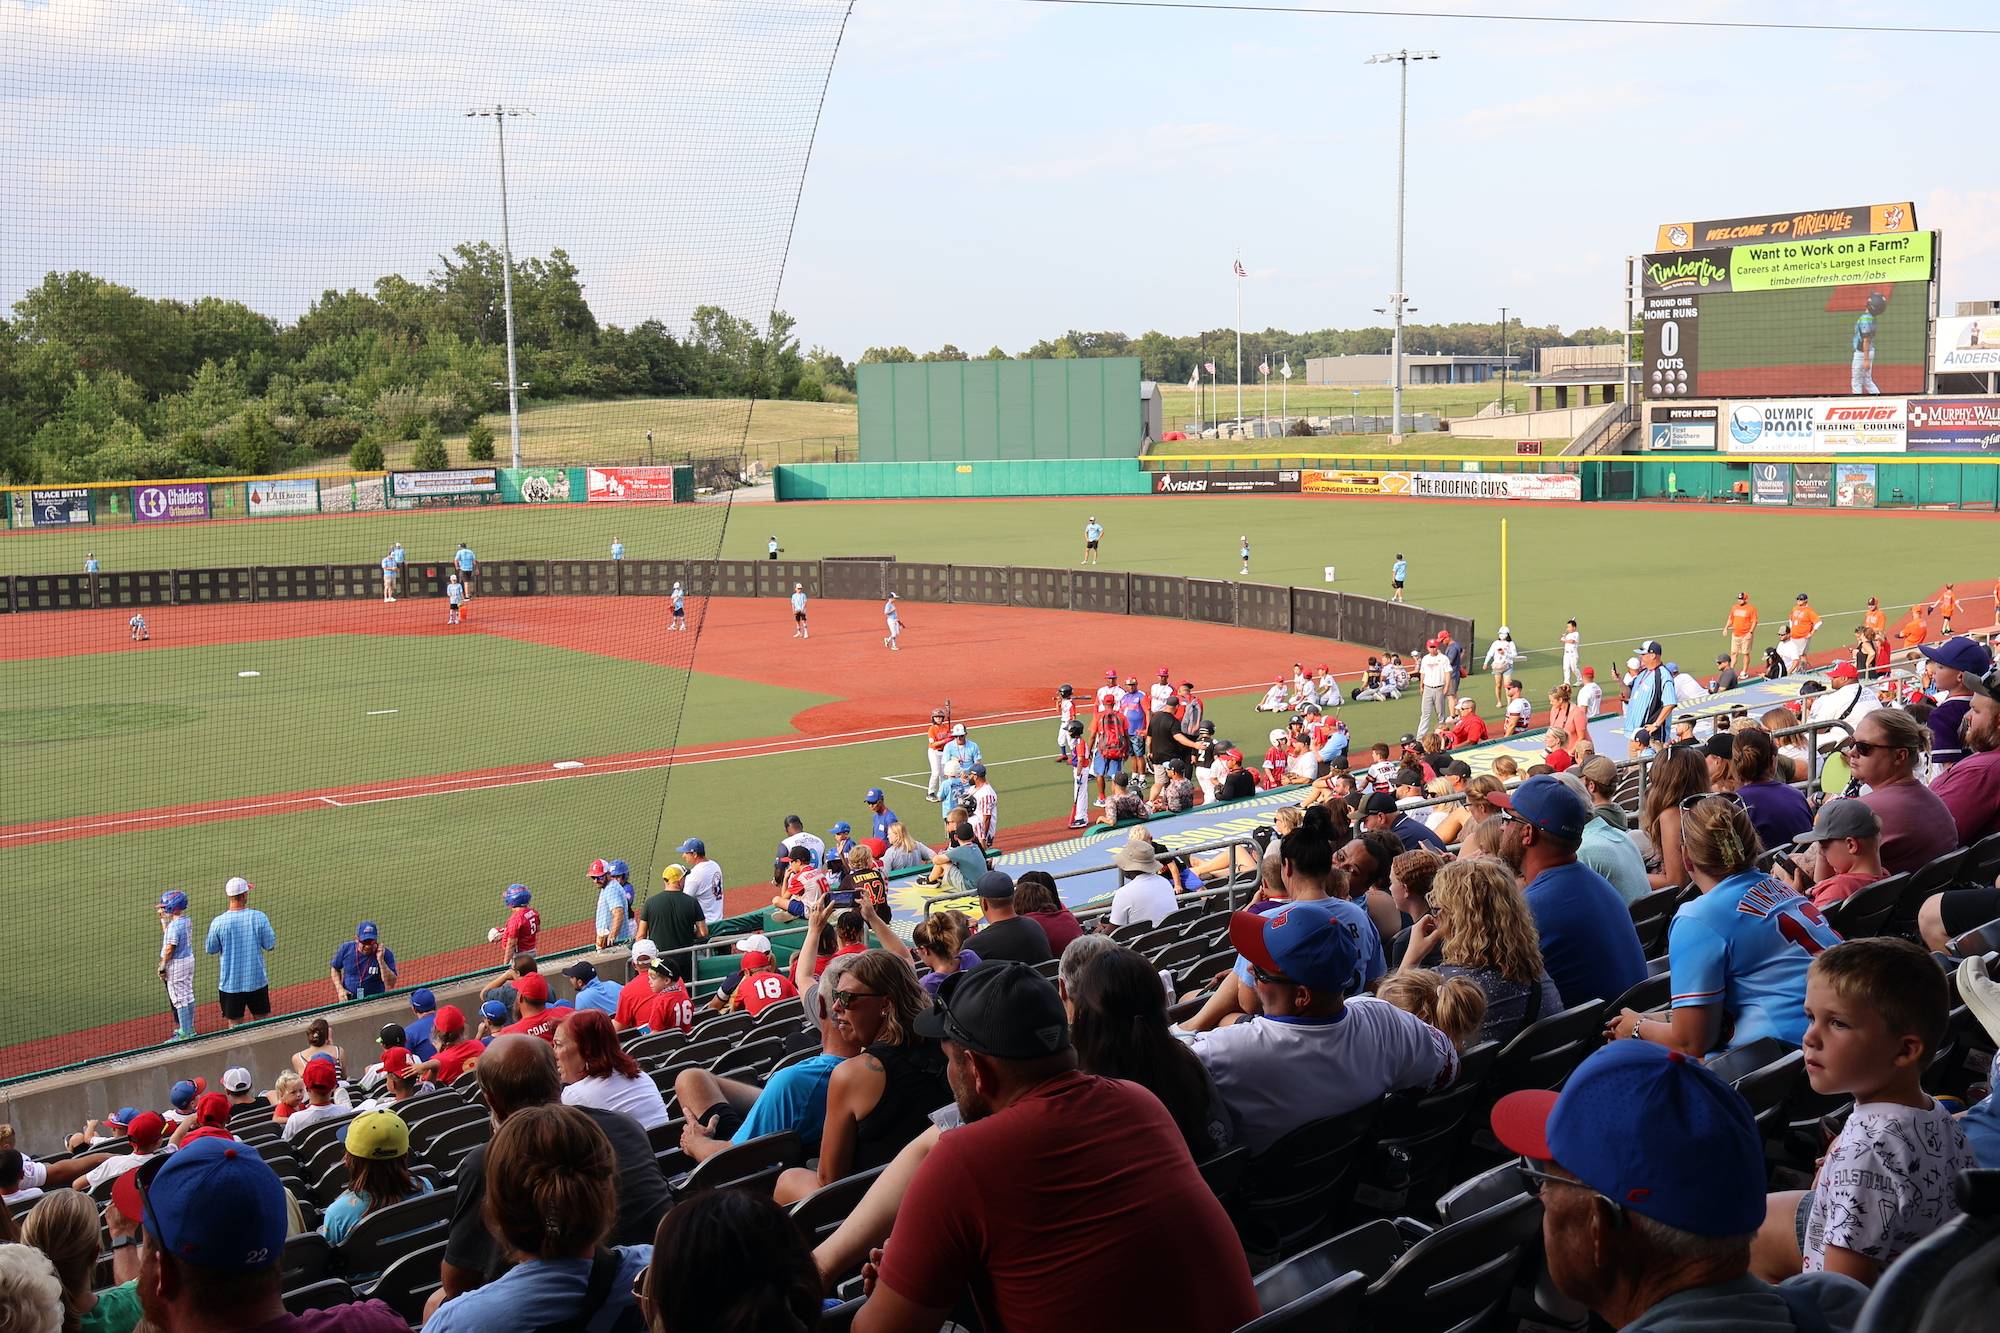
(174, 900)
(517, 895)
(617, 868)
(1073, 728)
(1065, 692)
(597, 869)
(1875, 302)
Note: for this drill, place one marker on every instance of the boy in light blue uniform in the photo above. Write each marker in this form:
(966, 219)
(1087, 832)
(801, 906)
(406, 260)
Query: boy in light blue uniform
(90, 565)
(137, 624)
(799, 630)
(617, 549)
(396, 554)
(454, 596)
(242, 936)
(389, 578)
(465, 561)
(894, 624)
(177, 960)
(680, 609)
(1397, 573)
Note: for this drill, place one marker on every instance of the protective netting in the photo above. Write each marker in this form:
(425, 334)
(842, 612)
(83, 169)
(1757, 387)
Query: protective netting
(240, 238)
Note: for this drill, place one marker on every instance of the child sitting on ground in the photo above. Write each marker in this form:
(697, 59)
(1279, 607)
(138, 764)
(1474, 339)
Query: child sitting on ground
(1878, 1009)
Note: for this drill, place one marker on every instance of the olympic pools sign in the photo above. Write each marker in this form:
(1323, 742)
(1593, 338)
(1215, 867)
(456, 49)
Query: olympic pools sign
(1818, 426)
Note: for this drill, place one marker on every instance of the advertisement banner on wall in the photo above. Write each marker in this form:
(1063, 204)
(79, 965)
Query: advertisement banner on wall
(534, 485)
(1683, 427)
(1966, 344)
(358, 495)
(1340, 483)
(1854, 485)
(1783, 265)
(1812, 484)
(1224, 483)
(175, 502)
(1851, 220)
(629, 483)
(1770, 483)
(460, 481)
(1954, 425)
(59, 508)
(291, 495)
(1818, 426)
(1490, 485)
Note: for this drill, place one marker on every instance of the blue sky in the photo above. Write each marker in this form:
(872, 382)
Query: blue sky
(985, 172)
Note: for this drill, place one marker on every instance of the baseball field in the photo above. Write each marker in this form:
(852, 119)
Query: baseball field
(381, 764)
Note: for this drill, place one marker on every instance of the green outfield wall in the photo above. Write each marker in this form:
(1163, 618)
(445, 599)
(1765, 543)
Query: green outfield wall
(957, 410)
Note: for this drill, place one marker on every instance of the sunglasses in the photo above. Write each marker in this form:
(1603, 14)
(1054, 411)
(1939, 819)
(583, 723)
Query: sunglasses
(1534, 1180)
(1690, 802)
(1271, 978)
(1863, 748)
(847, 999)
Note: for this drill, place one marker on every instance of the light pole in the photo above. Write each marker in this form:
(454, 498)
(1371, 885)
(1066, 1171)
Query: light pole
(500, 114)
(1503, 360)
(1398, 298)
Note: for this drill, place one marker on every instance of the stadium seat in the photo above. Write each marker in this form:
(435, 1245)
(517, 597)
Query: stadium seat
(1643, 997)
(243, 1117)
(1543, 1054)
(656, 1046)
(663, 1137)
(700, 1053)
(1049, 968)
(1945, 1281)
(1223, 1171)
(315, 1137)
(1495, 1185)
(1978, 941)
(1867, 913)
(438, 1122)
(1131, 931)
(259, 1133)
(321, 1295)
(1982, 862)
(306, 1259)
(754, 1165)
(1334, 1305)
(1748, 1058)
(793, 1056)
(1767, 1090)
(792, 1010)
(386, 1234)
(723, 1025)
(750, 1060)
(827, 1207)
(1299, 1187)
(445, 1150)
(408, 1282)
(1652, 914)
(325, 1186)
(1924, 881)
(1198, 972)
(841, 1317)
(1153, 941)
(1422, 1137)
(1181, 917)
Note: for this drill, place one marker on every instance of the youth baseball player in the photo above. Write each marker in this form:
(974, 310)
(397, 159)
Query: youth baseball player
(389, 577)
(799, 630)
(680, 609)
(894, 624)
(1065, 714)
(177, 961)
(1861, 371)
(524, 924)
(137, 625)
(1243, 553)
(454, 596)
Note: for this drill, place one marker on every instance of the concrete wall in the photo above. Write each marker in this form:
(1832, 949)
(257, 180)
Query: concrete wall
(1563, 423)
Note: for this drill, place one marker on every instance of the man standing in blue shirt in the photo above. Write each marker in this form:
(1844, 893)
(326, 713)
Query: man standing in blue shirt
(90, 565)
(1398, 571)
(615, 918)
(361, 967)
(1589, 945)
(878, 809)
(799, 630)
(465, 562)
(617, 549)
(396, 554)
(177, 960)
(242, 936)
(389, 577)
(965, 751)
(417, 1033)
(1651, 696)
(1093, 533)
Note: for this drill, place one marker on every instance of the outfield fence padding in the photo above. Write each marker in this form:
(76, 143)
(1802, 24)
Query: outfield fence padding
(1264, 606)
(136, 588)
(355, 581)
(777, 578)
(730, 578)
(855, 580)
(510, 578)
(1212, 601)
(53, 592)
(982, 585)
(1163, 595)
(1042, 589)
(921, 582)
(1100, 590)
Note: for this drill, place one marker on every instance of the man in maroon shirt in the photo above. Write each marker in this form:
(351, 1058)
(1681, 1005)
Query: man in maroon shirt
(1065, 1201)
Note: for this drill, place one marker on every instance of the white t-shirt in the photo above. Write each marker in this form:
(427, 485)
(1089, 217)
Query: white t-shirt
(1687, 689)
(985, 811)
(637, 1097)
(1276, 1074)
(1500, 655)
(1521, 709)
(1274, 699)
(1435, 670)
(1107, 696)
(303, 1119)
(704, 881)
(1590, 698)
(1570, 641)
(812, 842)
(1162, 697)
(1887, 1182)
(1146, 898)
(110, 1169)
(1303, 766)
(33, 1176)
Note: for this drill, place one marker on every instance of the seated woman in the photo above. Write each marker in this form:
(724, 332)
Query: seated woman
(1778, 812)
(1739, 953)
(879, 1100)
(1118, 1021)
(1035, 897)
(551, 1198)
(1480, 924)
(939, 940)
(64, 1226)
(319, 1041)
(378, 1172)
(1678, 775)
(729, 1259)
(596, 1071)
(905, 852)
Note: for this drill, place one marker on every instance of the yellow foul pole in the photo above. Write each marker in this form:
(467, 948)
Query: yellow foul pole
(1503, 572)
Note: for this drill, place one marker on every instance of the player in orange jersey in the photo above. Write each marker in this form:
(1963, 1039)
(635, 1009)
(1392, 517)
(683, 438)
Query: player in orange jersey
(1742, 628)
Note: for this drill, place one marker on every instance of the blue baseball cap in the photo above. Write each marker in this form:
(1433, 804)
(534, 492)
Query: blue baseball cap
(181, 1096)
(1960, 654)
(695, 846)
(214, 1205)
(874, 794)
(977, 770)
(617, 868)
(124, 1115)
(493, 1011)
(1652, 1131)
(1548, 805)
(423, 1001)
(366, 931)
(1304, 941)
(841, 826)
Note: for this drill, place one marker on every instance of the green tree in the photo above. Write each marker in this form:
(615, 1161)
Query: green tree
(430, 454)
(479, 442)
(366, 455)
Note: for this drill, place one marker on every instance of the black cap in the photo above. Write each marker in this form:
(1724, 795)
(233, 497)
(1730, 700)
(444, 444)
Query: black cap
(1005, 1010)
(580, 970)
(1722, 745)
(995, 886)
(390, 1035)
(1379, 803)
(1458, 768)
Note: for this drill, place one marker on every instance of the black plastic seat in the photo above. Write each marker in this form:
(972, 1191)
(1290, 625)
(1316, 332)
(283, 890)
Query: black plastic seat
(1495, 1185)
(1866, 913)
(321, 1295)
(408, 1282)
(656, 1046)
(819, 1213)
(1223, 1171)
(1946, 1280)
(387, 1234)
(789, 1010)
(1300, 1187)
(446, 1149)
(749, 1060)
(1542, 1054)
(1652, 914)
(306, 1259)
(1421, 1137)
(1643, 997)
(1334, 1305)
(1924, 882)
(437, 1122)
(753, 1165)
(1767, 1090)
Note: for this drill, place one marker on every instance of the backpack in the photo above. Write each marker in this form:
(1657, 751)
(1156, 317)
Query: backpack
(1111, 736)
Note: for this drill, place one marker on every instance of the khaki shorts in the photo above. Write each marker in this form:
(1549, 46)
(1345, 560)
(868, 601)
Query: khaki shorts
(1740, 643)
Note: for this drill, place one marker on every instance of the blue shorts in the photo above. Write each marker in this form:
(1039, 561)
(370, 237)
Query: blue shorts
(1106, 768)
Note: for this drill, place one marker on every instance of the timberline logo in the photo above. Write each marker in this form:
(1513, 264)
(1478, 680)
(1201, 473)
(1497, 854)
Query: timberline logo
(1686, 272)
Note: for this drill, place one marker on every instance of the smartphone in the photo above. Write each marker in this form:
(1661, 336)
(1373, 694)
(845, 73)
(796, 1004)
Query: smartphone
(842, 897)
(1787, 864)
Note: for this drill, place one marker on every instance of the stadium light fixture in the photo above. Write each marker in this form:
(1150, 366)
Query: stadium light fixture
(500, 113)
(1399, 300)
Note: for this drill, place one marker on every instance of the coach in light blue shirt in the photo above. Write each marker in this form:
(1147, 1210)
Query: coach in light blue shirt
(242, 936)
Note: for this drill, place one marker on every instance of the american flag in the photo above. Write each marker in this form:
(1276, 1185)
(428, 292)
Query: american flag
(1208, 366)
(1263, 367)
(1241, 272)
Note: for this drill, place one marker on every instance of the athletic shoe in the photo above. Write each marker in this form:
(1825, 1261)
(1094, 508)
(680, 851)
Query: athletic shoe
(1981, 995)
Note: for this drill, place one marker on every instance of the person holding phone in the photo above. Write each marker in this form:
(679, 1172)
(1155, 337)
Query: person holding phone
(1841, 854)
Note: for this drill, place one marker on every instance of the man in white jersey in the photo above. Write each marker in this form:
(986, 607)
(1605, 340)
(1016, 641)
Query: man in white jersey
(1160, 694)
(1590, 695)
(1572, 644)
(704, 879)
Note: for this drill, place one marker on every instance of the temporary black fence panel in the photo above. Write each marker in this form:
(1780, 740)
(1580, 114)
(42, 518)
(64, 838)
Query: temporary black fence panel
(51, 592)
(1316, 612)
(510, 578)
(1044, 589)
(212, 585)
(424, 578)
(921, 582)
(136, 587)
(1211, 600)
(984, 585)
(291, 583)
(778, 578)
(1162, 595)
(1264, 606)
(652, 578)
(857, 580)
(355, 580)
(1099, 590)
(6, 595)
(570, 578)
(730, 578)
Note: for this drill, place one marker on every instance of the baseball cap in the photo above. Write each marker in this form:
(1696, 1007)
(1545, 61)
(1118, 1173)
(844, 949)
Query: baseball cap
(696, 846)
(580, 971)
(1629, 1123)
(1742, 596)
(1379, 803)
(1844, 670)
(236, 1079)
(1002, 1009)
(995, 886)
(644, 949)
(673, 874)
(1842, 819)
(872, 795)
(1466, 705)
(1548, 805)
(1110, 673)
(1722, 659)
(754, 944)
(1303, 941)
(123, 1116)
(1600, 770)
(660, 967)
(534, 987)
(214, 1205)
(1721, 745)
(977, 771)
(390, 1034)
(423, 1001)
(378, 1136)
(1800, 598)
(1960, 654)
(367, 930)
(181, 1096)
(958, 728)
(237, 887)
(493, 1011)
(212, 1108)
(1590, 672)
(320, 1076)
(1872, 602)
(1651, 646)
(450, 1018)
(145, 1129)
(841, 826)
(397, 1061)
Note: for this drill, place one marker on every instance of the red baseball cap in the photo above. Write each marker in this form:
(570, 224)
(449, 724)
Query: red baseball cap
(320, 1076)
(211, 1109)
(1843, 670)
(1110, 674)
(397, 1061)
(1164, 673)
(145, 1130)
(755, 962)
(450, 1018)
(1590, 671)
(533, 987)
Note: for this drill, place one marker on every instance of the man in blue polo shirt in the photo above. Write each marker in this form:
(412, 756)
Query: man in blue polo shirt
(465, 561)
(592, 991)
(879, 813)
(361, 967)
(242, 936)
(417, 1032)
(1589, 944)
(1651, 701)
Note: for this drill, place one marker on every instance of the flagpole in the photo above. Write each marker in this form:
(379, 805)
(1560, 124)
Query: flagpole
(1239, 339)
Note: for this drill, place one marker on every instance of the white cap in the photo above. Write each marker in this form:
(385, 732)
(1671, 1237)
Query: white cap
(677, 585)
(236, 1079)
(754, 944)
(642, 949)
(1631, 664)
(237, 887)
(958, 728)
(1506, 633)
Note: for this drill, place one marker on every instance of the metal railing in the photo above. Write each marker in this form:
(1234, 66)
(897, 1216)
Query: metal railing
(1609, 427)
(1234, 882)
